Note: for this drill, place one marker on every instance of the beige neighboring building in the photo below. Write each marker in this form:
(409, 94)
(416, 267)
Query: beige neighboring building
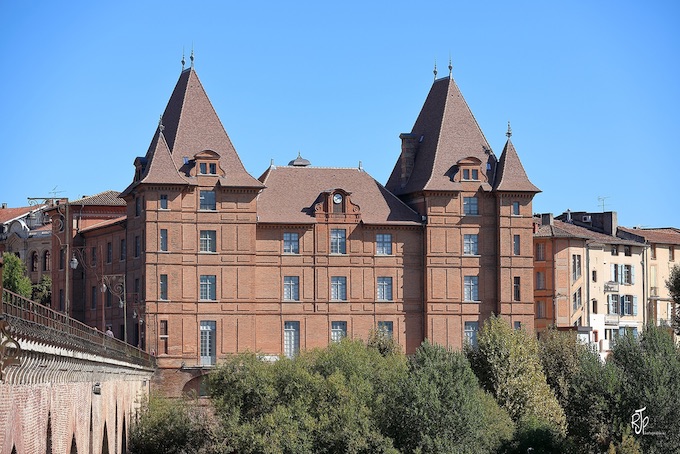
(25, 232)
(660, 257)
(588, 279)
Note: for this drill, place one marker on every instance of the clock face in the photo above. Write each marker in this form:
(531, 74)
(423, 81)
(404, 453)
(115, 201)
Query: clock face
(337, 198)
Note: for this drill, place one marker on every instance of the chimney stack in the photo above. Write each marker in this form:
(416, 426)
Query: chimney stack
(409, 145)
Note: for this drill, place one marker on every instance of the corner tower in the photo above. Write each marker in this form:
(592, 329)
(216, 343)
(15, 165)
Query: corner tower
(448, 173)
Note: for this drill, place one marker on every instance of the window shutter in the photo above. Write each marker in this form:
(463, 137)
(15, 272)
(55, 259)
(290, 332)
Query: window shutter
(623, 307)
(613, 275)
(620, 281)
(632, 274)
(634, 305)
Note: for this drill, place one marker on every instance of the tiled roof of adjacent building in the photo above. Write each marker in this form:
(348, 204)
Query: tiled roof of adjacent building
(103, 224)
(665, 235)
(106, 198)
(10, 214)
(292, 191)
(190, 125)
(447, 132)
(560, 229)
(510, 175)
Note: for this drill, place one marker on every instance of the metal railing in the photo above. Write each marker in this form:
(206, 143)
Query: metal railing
(33, 320)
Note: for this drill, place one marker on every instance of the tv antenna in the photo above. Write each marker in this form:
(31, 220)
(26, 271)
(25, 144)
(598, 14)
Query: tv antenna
(601, 200)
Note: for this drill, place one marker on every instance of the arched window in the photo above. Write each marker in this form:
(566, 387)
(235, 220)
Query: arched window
(34, 261)
(46, 261)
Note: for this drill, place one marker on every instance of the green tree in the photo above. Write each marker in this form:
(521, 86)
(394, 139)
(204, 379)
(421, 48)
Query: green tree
(507, 363)
(559, 352)
(42, 291)
(440, 407)
(169, 426)
(673, 286)
(14, 276)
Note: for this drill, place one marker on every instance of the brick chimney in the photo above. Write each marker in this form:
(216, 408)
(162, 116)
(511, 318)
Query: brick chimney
(409, 146)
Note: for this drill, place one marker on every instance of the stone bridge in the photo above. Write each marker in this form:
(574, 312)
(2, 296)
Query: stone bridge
(65, 387)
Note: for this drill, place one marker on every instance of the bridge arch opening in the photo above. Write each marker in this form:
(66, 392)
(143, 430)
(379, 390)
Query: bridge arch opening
(105, 441)
(74, 445)
(197, 386)
(123, 439)
(48, 435)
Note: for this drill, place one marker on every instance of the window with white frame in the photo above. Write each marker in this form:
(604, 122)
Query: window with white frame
(613, 304)
(623, 274)
(383, 244)
(208, 241)
(575, 267)
(338, 288)
(291, 338)
(384, 288)
(576, 299)
(291, 243)
(470, 205)
(208, 329)
(471, 290)
(470, 244)
(386, 328)
(208, 287)
(207, 201)
(164, 240)
(291, 288)
(540, 251)
(338, 241)
(628, 305)
(471, 330)
(338, 331)
(540, 280)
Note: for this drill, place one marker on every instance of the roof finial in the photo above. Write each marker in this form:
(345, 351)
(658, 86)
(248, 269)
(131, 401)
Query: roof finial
(183, 61)
(509, 133)
(191, 57)
(435, 69)
(450, 68)
(160, 124)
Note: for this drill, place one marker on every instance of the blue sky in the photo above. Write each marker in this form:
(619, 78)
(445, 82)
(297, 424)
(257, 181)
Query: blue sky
(591, 89)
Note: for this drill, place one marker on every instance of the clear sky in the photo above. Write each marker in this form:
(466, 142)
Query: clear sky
(591, 88)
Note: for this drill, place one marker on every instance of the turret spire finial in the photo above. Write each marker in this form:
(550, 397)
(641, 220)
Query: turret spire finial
(160, 124)
(509, 133)
(450, 68)
(183, 61)
(191, 57)
(435, 69)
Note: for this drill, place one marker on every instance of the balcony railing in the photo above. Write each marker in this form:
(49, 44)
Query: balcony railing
(30, 320)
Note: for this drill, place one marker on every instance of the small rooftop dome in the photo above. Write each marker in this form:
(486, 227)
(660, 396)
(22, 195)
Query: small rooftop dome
(299, 161)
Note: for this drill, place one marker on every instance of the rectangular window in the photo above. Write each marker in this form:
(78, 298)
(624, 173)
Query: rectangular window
(652, 251)
(540, 280)
(576, 298)
(164, 287)
(386, 328)
(627, 251)
(540, 251)
(208, 241)
(62, 258)
(93, 299)
(207, 201)
(516, 290)
(338, 288)
(471, 330)
(123, 249)
(291, 288)
(93, 262)
(470, 242)
(208, 337)
(384, 289)
(515, 245)
(61, 299)
(471, 292)
(623, 274)
(470, 205)
(208, 289)
(575, 267)
(383, 244)
(338, 331)
(109, 298)
(291, 243)
(163, 337)
(615, 249)
(540, 309)
(164, 240)
(291, 339)
(338, 241)
(613, 304)
(517, 326)
(515, 208)
(203, 168)
(628, 305)
(109, 252)
(213, 169)
(471, 174)
(164, 201)
(594, 275)
(138, 206)
(138, 246)
(671, 253)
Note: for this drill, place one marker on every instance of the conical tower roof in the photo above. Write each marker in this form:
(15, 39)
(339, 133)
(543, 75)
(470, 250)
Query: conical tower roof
(447, 132)
(510, 175)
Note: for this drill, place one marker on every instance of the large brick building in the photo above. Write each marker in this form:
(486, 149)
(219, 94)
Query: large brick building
(221, 262)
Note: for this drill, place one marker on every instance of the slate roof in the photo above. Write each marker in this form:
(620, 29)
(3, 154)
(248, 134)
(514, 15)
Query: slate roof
(190, 125)
(106, 198)
(560, 229)
(447, 132)
(292, 191)
(665, 235)
(510, 174)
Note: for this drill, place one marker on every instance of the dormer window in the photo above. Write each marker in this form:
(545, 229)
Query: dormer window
(207, 168)
(471, 174)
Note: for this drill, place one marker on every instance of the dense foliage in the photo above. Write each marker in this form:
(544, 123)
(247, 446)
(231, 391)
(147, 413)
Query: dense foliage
(14, 276)
(510, 394)
(673, 286)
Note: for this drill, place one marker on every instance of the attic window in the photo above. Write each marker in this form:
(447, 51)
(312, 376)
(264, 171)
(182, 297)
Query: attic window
(206, 168)
(471, 174)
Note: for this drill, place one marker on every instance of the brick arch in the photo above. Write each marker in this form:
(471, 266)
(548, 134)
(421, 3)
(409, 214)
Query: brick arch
(196, 386)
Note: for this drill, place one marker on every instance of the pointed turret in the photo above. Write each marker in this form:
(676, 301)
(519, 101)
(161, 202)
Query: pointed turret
(445, 133)
(510, 175)
(189, 125)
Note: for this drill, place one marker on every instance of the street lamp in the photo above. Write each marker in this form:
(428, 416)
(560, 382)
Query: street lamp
(115, 283)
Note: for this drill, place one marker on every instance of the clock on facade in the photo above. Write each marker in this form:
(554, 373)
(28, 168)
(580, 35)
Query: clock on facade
(337, 198)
